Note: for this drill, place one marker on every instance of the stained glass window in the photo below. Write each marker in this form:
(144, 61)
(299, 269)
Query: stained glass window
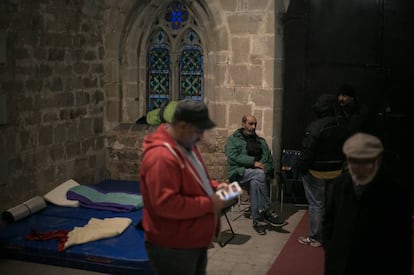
(191, 68)
(176, 14)
(159, 72)
(175, 58)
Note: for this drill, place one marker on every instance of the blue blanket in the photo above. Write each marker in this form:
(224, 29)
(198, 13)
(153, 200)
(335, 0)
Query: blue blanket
(115, 201)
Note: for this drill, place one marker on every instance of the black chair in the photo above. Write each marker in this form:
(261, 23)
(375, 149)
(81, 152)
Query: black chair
(290, 178)
(224, 211)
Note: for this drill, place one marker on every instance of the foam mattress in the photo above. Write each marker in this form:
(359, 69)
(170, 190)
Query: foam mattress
(123, 254)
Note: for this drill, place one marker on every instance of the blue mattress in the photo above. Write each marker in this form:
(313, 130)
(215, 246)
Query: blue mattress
(123, 254)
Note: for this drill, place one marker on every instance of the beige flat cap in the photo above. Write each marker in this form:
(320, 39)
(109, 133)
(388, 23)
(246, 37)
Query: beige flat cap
(362, 146)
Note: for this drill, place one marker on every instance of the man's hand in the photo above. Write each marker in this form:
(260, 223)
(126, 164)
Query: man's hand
(218, 203)
(223, 185)
(258, 164)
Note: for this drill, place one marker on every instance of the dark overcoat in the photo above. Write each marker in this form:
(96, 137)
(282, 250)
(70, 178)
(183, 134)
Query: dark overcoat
(370, 234)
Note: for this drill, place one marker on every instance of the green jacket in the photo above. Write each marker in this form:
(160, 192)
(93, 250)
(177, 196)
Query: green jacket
(238, 159)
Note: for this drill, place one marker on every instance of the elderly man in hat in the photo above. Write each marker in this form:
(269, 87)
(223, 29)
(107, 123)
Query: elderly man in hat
(181, 211)
(367, 225)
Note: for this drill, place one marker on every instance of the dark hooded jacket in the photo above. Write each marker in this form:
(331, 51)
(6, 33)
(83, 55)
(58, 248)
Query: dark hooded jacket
(323, 139)
(358, 117)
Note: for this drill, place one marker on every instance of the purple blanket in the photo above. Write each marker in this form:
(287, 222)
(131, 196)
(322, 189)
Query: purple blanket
(114, 201)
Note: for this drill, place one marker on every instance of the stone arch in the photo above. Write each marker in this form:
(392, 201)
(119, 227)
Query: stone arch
(126, 96)
(119, 17)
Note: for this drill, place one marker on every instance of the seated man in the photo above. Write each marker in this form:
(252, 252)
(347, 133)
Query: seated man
(249, 162)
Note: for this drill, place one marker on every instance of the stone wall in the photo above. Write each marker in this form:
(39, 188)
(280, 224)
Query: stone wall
(124, 149)
(124, 144)
(72, 78)
(51, 79)
(244, 62)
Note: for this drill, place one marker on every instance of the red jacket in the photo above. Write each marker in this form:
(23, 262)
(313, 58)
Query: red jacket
(177, 211)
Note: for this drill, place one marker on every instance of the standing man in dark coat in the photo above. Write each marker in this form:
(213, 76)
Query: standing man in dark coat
(367, 224)
(359, 117)
(320, 162)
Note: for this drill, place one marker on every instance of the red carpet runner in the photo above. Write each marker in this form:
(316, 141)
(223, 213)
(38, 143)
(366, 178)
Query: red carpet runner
(299, 259)
(296, 258)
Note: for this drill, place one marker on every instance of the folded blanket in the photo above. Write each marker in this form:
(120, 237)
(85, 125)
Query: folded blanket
(115, 201)
(97, 229)
(57, 195)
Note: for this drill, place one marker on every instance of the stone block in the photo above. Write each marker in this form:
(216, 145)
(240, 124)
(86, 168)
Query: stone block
(243, 23)
(85, 127)
(238, 75)
(60, 134)
(45, 135)
(241, 49)
(112, 111)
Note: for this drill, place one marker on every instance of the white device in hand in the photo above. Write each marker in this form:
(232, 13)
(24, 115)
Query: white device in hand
(231, 192)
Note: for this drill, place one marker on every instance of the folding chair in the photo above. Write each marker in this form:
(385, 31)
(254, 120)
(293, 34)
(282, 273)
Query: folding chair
(289, 172)
(222, 242)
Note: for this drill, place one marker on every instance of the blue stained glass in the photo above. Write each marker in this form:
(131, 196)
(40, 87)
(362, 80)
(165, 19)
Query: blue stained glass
(191, 72)
(161, 67)
(176, 14)
(159, 72)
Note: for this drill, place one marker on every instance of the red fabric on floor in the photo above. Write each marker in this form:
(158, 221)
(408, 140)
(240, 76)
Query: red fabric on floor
(60, 235)
(296, 258)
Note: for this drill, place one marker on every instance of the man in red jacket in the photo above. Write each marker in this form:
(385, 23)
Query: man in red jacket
(181, 211)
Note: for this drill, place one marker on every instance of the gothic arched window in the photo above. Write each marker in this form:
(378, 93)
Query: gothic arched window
(175, 58)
